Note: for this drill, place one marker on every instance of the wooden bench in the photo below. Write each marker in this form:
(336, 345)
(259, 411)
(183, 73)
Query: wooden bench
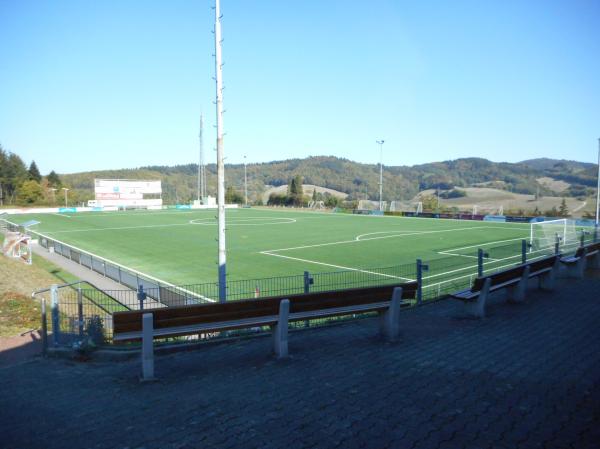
(513, 279)
(593, 255)
(275, 312)
(588, 255)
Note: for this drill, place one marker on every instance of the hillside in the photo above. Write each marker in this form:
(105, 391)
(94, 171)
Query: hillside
(359, 181)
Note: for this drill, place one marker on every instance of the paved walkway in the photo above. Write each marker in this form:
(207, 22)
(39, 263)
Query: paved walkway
(528, 376)
(80, 271)
(118, 291)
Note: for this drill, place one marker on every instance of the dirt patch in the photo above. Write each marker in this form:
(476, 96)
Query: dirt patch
(553, 184)
(306, 188)
(487, 199)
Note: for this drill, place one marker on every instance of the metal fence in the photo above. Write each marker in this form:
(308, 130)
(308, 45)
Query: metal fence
(81, 309)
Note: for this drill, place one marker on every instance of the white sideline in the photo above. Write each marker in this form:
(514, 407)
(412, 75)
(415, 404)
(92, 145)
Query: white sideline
(139, 273)
(116, 228)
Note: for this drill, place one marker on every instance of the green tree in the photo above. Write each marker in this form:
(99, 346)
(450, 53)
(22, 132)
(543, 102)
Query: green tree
(429, 202)
(232, 196)
(30, 192)
(12, 174)
(34, 172)
(54, 180)
(563, 210)
(295, 191)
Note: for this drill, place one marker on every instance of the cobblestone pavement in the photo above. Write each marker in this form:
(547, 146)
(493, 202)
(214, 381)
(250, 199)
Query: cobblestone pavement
(527, 376)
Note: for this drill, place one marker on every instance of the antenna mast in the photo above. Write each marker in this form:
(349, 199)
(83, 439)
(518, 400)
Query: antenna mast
(220, 162)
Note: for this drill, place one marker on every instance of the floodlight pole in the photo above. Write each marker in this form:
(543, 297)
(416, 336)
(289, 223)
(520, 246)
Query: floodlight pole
(245, 183)
(220, 159)
(53, 194)
(66, 194)
(598, 188)
(201, 176)
(380, 143)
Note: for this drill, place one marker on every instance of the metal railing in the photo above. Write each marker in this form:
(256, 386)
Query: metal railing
(81, 309)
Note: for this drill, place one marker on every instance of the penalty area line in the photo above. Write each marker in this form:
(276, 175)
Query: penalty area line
(341, 267)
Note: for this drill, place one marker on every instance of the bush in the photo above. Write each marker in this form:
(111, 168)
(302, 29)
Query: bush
(454, 193)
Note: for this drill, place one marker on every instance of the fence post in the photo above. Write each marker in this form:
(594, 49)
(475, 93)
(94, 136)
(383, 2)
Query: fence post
(80, 311)
(582, 238)
(308, 281)
(595, 234)
(44, 328)
(420, 268)
(479, 262)
(55, 314)
(141, 295)
(523, 251)
(557, 245)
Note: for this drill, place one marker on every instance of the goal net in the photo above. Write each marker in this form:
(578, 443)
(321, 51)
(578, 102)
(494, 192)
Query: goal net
(546, 234)
(406, 206)
(487, 210)
(371, 205)
(316, 205)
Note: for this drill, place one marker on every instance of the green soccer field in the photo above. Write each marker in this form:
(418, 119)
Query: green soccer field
(179, 246)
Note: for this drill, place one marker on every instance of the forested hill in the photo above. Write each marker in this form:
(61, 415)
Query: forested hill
(358, 180)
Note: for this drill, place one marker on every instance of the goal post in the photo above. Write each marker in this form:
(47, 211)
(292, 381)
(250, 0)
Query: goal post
(545, 235)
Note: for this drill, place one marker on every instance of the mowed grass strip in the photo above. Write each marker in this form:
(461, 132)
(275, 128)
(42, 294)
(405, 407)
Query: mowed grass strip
(180, 247)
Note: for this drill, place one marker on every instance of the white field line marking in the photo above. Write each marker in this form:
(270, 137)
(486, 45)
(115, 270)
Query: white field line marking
(467, 275)
(337, 266)
(373, 238)
(139, 273)
(480, 245)
(411, 232)
(465, 255)
(62, 215)
(117, 228)
(262, 221)
(471, 266)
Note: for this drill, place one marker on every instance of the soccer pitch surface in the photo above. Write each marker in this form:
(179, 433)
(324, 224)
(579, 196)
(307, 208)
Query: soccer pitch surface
(180, 246)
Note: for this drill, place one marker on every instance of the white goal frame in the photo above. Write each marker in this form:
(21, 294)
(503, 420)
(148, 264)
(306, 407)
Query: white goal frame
(562, 234)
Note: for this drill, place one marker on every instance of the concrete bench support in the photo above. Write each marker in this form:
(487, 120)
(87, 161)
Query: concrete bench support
(390, 319)
(547, 281)
(576, 269)
(477, 308)
(280, 330)
(594, 261)
(147, 348)
(516, 293)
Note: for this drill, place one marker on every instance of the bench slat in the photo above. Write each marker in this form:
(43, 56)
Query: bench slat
(204, 316)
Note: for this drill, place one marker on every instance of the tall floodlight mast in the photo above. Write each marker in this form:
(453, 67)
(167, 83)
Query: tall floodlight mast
(598, 189)
(380, 143)
(201, 170)
(220, 159)
(245, 183)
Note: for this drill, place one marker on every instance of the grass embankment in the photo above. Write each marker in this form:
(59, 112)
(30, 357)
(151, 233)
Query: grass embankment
(18, 312)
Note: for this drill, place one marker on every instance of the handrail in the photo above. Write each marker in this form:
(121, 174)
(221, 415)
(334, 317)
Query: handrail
(37, 292)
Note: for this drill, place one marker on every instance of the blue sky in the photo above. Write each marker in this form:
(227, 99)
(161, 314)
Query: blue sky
(111, 84)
